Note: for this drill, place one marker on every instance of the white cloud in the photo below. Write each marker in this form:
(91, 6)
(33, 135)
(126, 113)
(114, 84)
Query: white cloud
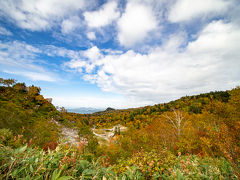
(5, 32)
(35, 76)
(69, 25)
(104, 16)
(185, 10)
(22, 59)
(54, 51)
(87, 60)
(217, 37)
(135, 23)
(17, 54)
(211, 62)
(93, 53)
(39, 15)
(76, 101)
(91, 35)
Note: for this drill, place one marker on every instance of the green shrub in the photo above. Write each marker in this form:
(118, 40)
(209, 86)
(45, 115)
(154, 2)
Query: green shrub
(6, 137)
(61, 163)
(149, 163)
(193, 167)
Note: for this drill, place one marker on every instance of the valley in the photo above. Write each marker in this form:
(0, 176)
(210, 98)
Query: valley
(189, 138)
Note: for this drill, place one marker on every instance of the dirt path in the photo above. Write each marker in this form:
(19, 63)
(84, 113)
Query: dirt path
(108, 133)
(105, 136)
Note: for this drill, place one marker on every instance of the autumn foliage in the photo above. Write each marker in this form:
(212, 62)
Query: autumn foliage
(194, 137)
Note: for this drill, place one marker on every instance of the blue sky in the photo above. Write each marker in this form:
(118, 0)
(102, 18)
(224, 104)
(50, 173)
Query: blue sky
(120, 53)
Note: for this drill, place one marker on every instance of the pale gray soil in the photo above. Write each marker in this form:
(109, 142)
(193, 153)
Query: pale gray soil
(68, 134)
(71, 135)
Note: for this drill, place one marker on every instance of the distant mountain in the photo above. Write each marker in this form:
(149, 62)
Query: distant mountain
(84, 110)
(109, 109)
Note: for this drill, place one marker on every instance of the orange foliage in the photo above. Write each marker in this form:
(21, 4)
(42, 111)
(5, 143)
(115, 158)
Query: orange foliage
(50, 145)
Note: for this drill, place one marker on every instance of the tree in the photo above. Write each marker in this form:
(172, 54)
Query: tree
(20, 86)
(235, 98)
(1, 80)
(160, 134)
(7, 82)
(33, 90)
(63, 110)
(177, 120)
(224, 142)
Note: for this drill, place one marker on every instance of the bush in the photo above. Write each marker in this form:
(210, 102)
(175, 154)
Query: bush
(59, 164)
(149, 163)
(193, 167)
(6, 137)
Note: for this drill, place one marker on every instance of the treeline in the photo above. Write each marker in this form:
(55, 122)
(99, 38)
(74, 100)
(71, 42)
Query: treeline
(140, 117)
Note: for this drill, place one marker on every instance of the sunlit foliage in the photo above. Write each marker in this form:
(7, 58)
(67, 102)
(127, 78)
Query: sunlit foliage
(194, 137)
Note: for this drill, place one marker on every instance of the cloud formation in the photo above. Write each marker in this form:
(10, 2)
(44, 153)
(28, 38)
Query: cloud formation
(35, 76)
(103, 16)
(37, 15)
(208, 63)
(148, 51)
(5, 32)
(70, 24)
(76, 101)
(185, 10)
(135, 23)
(22, 59)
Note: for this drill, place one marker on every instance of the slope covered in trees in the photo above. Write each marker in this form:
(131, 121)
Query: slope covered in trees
(206, 125)
(140, 117)
(26, 113)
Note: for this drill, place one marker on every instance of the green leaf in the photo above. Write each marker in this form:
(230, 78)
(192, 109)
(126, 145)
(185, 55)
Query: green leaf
(37, 178)
(26, 178)
(57, 174)
(31, 168)
(54, 174)
(22, 149)
(65, 178)
(15, 172)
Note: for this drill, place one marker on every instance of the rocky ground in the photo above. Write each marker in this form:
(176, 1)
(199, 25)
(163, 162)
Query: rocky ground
(71, 135)
(107, 134)
(68, 134)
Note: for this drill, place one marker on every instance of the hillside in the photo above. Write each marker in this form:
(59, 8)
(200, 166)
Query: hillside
(194, 137)
(143, 116)
(24, 111)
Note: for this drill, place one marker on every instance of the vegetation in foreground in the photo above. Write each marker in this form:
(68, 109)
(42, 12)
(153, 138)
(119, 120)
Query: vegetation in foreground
(195, 137)
(70, 163)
